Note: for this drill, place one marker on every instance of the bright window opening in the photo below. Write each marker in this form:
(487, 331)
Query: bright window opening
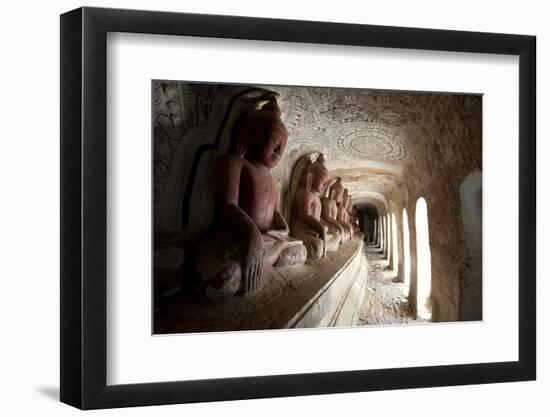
(394, 243)
(406, 249)
(423, 262)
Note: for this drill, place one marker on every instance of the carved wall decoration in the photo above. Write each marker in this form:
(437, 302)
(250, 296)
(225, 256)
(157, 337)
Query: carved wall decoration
(177, 108)
(370, 141)
(185, 164)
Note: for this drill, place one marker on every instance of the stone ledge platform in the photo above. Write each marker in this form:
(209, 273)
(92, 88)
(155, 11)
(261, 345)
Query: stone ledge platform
(325, 293)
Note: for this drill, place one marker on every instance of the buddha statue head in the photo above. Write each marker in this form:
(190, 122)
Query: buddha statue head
(261, 135)
(317, 175)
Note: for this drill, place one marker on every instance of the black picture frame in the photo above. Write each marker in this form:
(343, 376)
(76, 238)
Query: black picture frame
(84, 207)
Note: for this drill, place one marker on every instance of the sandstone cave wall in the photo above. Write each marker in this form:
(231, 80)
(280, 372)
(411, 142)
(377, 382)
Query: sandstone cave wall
(449, 149)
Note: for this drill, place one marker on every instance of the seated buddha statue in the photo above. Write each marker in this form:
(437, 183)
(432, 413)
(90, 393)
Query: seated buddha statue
(343, 212)
(337, 193)
(306, 222)
(329, 214)
(248, 232)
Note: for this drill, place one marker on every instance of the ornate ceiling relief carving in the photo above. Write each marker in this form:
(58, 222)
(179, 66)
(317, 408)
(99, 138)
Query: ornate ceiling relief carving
(371, 141)
(411, 134)
(351, 127)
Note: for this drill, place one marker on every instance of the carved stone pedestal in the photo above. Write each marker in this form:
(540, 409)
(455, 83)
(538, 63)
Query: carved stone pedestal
(324, 293)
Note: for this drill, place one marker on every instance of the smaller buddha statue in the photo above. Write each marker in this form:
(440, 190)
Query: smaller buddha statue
(306, 223)
(337, 193)
(329, 214)
(343, 212)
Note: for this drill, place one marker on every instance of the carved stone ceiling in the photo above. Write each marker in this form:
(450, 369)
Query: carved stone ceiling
(362, 133)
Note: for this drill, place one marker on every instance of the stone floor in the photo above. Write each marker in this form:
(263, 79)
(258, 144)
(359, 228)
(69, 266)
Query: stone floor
(386, 301)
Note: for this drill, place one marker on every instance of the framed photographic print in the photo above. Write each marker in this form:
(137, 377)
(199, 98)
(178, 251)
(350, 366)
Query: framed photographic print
(257, 207)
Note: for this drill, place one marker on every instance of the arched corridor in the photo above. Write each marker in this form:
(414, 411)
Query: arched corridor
(308, 207)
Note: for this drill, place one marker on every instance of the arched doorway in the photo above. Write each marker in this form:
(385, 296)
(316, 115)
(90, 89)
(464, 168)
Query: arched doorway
(395, 252)
(407, 249)
(423, 261)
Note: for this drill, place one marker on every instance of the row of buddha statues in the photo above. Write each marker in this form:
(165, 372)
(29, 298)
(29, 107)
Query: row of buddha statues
(248, 232)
